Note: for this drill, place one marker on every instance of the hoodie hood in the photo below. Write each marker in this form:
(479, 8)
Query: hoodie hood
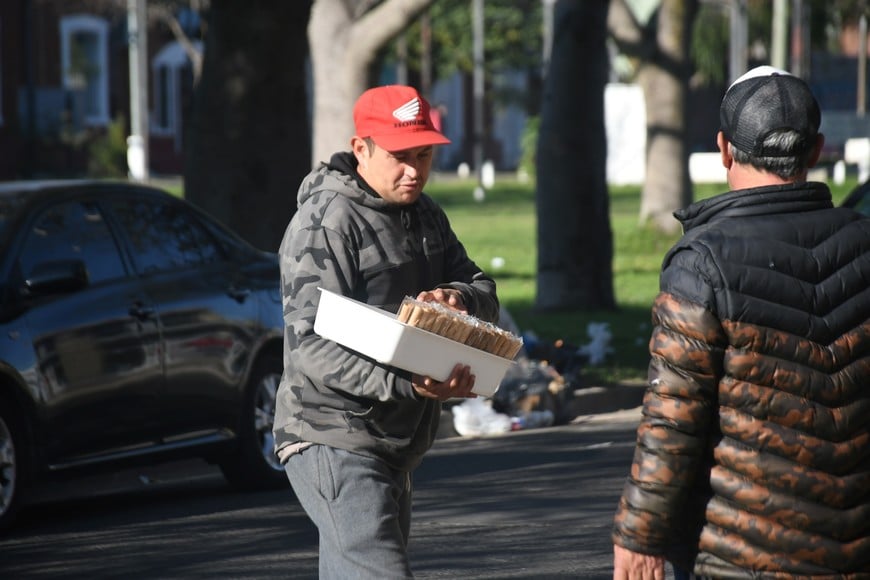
(340, 175)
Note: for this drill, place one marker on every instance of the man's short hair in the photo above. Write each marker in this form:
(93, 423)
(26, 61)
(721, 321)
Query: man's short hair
(786, 167)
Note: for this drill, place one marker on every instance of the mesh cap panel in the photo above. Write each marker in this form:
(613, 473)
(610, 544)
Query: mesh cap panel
(756, 106)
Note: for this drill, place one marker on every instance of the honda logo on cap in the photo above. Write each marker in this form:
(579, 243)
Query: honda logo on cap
(408, 111)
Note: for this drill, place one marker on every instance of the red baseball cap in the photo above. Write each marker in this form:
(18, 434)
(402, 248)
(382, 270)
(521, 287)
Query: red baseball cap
(396, 117)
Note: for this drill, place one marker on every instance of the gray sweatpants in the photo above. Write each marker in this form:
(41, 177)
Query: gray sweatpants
(362, 510)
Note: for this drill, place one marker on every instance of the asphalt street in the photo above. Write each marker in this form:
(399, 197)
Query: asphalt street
(528, 504)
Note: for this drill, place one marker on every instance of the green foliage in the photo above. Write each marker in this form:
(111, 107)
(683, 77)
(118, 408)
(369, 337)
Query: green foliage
(513, 36)
(760, 13)
(847, 10)
(710, 38)
(529, 145)
(108, 152)
(711, 30)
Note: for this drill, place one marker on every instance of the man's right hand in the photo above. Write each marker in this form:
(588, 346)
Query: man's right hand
(628, 565)
(457, 385)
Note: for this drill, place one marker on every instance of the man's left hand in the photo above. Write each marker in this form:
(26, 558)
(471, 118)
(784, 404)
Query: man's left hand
(458, 385)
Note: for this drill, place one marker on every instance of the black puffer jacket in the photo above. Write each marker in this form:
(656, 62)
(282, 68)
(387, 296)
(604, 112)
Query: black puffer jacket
(753, 454)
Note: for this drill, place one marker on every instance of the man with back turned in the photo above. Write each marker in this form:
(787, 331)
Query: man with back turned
(753, 453)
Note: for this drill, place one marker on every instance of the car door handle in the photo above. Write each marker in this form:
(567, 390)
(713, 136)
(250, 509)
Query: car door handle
(238, 294)
(141, 311)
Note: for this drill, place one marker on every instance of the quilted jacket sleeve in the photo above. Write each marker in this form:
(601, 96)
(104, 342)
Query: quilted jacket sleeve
(679, 406)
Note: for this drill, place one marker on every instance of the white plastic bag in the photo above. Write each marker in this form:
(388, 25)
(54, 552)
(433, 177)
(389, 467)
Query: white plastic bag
(476, 417)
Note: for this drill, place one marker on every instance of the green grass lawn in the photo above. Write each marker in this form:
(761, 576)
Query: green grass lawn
(503, 227)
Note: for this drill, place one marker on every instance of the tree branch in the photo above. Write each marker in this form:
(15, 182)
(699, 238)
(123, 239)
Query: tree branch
(166, 16)
(380, 25)
(627, 33)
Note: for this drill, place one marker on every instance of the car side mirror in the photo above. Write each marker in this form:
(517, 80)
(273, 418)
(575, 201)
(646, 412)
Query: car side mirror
(55, 277)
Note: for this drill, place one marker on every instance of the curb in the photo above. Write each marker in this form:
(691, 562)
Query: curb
(595, 400)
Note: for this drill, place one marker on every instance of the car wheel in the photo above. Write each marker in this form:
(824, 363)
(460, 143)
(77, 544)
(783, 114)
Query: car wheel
(12, 464)
(253, 464)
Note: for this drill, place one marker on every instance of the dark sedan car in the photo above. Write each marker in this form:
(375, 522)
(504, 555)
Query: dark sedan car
(133, 329)
(859, 199)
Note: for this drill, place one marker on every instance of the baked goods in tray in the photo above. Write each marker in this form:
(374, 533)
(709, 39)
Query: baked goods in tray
(464, 328)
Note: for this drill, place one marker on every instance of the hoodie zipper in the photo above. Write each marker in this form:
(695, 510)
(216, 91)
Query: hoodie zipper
(408, 224)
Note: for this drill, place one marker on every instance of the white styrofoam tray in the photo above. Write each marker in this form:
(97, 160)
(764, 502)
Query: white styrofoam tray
(380, 335)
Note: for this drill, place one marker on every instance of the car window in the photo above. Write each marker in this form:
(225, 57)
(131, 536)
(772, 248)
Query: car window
(863, 205)
(165, 236)
(73, 231)
(8, 208)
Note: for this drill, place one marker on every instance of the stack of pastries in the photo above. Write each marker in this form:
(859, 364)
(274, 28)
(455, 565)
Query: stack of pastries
(464, 328)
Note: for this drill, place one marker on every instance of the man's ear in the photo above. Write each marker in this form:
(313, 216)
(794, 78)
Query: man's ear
(724, 151)
(360, 149)
(817, 151)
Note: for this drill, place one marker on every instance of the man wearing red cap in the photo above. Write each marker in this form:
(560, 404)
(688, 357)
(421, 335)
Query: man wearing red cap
(753, 453)
(350, 430)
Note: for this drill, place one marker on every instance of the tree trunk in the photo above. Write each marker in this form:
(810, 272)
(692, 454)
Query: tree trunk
(665, 79)
(248, 142)
(328, 37)
(575, 246)
(345, 38)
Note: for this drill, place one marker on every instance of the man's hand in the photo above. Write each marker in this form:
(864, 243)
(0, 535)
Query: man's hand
(446, 296)
(458, 384)
(628, 565)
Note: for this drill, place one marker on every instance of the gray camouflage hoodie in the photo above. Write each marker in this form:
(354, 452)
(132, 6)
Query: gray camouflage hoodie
(346, 238)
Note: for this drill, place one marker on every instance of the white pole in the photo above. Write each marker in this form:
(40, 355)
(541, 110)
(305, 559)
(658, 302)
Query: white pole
(547, 33)
(478, 86)
(779, 38)
(800, 39)
(137, 142)
(862, 65)
(402, 62)
(738, 42)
